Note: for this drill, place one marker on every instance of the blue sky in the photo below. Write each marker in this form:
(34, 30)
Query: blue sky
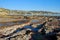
(41, 5)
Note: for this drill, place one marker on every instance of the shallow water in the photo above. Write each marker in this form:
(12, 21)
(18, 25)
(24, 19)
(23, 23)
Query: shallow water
(34, 20)
(14, 23)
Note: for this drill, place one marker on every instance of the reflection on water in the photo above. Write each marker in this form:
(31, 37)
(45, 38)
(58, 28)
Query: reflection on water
(10, 23)
(7, 24)
(18, 22)
(34, 20)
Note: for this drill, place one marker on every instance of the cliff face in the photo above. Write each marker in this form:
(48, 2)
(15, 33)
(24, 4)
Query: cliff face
(4, 11)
